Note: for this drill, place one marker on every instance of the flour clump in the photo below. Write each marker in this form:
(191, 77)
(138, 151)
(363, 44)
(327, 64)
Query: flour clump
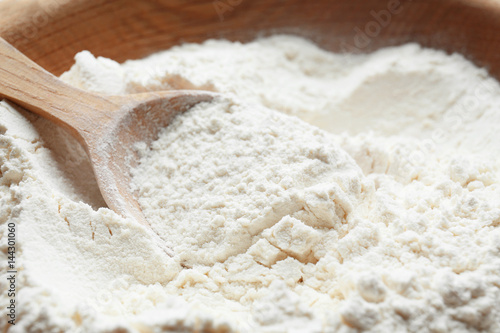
(232, 171)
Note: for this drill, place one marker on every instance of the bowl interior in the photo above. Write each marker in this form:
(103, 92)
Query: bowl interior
(51, 32)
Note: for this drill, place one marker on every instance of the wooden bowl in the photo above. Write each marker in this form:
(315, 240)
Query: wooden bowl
(51, 32)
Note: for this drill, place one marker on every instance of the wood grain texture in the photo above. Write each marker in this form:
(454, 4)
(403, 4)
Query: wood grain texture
(51, 31)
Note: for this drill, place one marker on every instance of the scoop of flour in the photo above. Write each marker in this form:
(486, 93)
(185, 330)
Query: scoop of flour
(223, 174)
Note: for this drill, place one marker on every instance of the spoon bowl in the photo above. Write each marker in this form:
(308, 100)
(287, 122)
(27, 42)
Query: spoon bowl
(109, 127)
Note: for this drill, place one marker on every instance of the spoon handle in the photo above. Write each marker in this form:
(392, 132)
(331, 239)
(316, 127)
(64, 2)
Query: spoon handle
(30, 86)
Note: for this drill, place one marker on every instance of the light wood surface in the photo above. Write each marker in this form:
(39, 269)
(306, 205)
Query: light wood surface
(51, 31)
(107, 126)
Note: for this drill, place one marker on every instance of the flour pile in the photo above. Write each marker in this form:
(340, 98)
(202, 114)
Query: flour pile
(380, 215)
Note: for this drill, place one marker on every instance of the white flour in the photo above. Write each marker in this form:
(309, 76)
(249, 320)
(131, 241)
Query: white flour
(275, 227)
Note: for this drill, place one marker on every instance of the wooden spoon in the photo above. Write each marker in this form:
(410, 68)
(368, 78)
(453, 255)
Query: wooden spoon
(107, 126)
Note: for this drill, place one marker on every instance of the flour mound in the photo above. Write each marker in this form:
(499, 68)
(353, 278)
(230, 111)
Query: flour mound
(222, 174)
(380, 215)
